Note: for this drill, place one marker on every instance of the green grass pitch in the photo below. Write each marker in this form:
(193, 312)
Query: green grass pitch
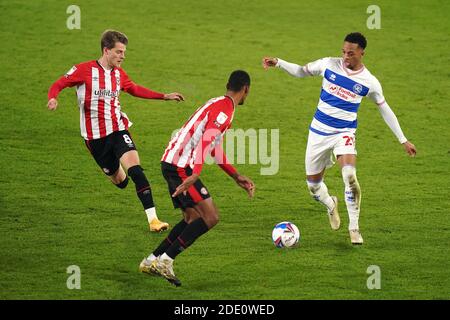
(57, 209)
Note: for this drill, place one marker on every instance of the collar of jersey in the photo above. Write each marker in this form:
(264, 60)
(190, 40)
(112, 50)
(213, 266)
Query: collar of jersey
(231, 100)
(351, 72)
(104, 68)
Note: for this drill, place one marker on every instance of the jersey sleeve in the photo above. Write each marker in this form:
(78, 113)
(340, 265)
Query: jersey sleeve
(221, 159)
(316, 68)
(132, 88)
(219, 120)
(73, 77)
(125, 81)
(376, 92)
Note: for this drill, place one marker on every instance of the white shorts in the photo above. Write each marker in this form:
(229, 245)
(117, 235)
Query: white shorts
(320, 150)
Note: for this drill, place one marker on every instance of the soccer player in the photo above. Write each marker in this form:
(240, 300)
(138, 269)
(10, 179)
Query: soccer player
(104, 126)
(332, 131)
(181, 165)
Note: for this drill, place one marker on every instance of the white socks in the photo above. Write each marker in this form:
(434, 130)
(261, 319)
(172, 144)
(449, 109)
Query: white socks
(319, 192)
(151, 214)
(352, 195)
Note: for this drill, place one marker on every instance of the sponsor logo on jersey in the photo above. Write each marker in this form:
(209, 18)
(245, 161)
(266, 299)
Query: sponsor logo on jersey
(341, 92)
(345, 94)
(107, 93)
(357, 88)
(333, 88)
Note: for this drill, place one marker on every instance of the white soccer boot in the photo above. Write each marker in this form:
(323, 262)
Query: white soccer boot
(164, 268)
(333, 215)
(144, 267)
(355, 237)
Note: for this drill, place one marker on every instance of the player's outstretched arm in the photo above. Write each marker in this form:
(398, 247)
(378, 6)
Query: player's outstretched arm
(293, 69)
(141, 92)
(145, 93)
(245, 183)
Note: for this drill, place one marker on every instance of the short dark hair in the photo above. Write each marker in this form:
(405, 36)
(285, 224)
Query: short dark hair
(238, 79)
(110, 37)
(356, 37)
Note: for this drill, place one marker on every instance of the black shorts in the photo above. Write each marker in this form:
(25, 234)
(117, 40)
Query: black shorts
(108, 150)
(174, 177)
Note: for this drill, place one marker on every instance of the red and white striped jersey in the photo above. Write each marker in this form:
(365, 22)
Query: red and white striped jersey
(98, 92)
(203, 130)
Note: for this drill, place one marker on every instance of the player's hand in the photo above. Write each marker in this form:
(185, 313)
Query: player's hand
(245, 183)
(183, 188)
(174, 96)
(52, 104)
(410, 148)
(269, 62)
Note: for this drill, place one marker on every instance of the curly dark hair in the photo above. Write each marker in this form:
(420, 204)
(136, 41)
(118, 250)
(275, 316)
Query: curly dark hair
(356, 37)
(238, 79)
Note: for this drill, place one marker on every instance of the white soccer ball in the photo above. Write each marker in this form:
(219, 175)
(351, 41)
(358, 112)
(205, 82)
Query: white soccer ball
(285, 235)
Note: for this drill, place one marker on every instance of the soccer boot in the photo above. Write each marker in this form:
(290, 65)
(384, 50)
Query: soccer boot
(164, 268)
(158, 226)
(333, 215)
(356, 237)
(144, 267)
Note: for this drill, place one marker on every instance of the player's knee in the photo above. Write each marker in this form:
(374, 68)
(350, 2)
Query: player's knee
(349, 175)
(212, 219)
(190, 215)
(123, 184)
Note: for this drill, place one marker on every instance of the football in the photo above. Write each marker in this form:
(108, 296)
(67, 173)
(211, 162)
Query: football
(285, 235)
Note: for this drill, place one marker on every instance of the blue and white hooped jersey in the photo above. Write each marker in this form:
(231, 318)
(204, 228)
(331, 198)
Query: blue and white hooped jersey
(341, 95)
